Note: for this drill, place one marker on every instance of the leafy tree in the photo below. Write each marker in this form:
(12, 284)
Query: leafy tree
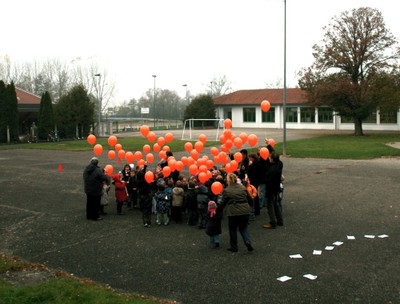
(355, 69)
(46, 117)
(75, 113)
(201, 107)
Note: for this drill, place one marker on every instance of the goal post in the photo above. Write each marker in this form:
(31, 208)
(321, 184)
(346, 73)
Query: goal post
(189, 123)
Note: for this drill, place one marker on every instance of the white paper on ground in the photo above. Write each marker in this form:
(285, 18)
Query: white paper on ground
(310, 276)
(351, 237)
(369, 236)
(338, 243)
(329, 247)
(296, 256)
(317, 252)
(382, 236)
(284, 278)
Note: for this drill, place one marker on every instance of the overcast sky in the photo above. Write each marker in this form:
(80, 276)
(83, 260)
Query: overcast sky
(181, 41)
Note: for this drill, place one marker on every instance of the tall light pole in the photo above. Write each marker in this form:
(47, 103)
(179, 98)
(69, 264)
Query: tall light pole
(284, 81)
(99, 104)
(186, 95)
(211, 88)
(154, 100)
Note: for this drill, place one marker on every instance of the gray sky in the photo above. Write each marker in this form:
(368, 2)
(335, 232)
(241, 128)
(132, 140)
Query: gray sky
(181, 41)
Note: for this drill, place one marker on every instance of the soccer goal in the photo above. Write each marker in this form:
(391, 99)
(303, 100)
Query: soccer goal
(192, 130)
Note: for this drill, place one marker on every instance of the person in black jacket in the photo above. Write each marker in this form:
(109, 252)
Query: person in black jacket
(273, 181)
(93, 178)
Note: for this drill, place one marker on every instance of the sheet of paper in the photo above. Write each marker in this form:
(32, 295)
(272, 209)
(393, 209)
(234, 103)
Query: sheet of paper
(369, 236)
(284, 278)
(317, 252)
(382, 236)
(310, 276)
(296, 256)
(351, 237)
(329, 247)
(338, 243)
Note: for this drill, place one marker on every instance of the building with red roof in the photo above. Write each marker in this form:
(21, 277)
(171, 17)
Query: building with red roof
(28, 109)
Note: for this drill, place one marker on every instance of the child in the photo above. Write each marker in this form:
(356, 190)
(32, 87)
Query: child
(177, 202)
(104, 195)
(131, 186)
(145, 204)
(213, 226)
(202, 204)
(120, 192)
(191, 203)
(163, 203)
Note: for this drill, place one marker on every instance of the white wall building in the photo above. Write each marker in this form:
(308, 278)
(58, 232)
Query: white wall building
(244, 109)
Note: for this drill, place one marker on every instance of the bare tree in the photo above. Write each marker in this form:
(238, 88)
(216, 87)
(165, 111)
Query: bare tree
(219, 86)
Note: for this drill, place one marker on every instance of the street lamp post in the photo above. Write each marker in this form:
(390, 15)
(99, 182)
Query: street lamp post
(211, 83)
(99, 104)
(284, 82)
(186, 95)
(154, 100)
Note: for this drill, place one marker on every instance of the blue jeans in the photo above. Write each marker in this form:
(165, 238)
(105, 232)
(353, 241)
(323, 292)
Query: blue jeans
(240, 223)
(261, 195)
(214, 240)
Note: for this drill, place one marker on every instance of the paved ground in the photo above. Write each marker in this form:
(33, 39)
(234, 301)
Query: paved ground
(42, 219)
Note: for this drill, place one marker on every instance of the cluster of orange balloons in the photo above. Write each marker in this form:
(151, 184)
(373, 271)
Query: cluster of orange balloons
(196, 163)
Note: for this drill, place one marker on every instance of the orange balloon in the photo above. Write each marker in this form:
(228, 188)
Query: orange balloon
(234, 165)
(166, 171)
(190, 161)
(203, 168)
(144, 130)
(272, 142)
(184, 160)
(138, 155)
(193, 169)
(166, 148)
(129, 157)
(264, 153)
(228, 168)
(237, 142)
(194, 154)
(202, 138)
(209, 164)
(171, 163)
(228, 123)
(162, 154)
(151, 137)
(201, 161)
(216, 188)
(217, 159)
(227, 133)
(112, 140)
(156, 147)
(224, 148)
(150, 157)
(202, 177)
(188, 146)
(91, 139)
(243, 137)
(161, 141)
(265, 105)
(228, 144)
(169, 137)
(111, 154)
(214, 151)
(252, 140)
(179, 165)
(147, 149)
(109, 169)
(222, 139)
(98, 149)
(238, 157)
(118, 147)
(141, 162)
(199, 146)
(121, 153)
(149, 177)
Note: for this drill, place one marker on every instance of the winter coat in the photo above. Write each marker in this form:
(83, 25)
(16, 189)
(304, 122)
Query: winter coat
(163, 201)
(202, 197)
(236, 200)
(191, 199)
(213, 226)
(93, 178)
(120, 189)
(273, 178)
(177, 196)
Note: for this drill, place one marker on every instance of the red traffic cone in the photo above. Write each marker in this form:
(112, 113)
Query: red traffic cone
(60, 167)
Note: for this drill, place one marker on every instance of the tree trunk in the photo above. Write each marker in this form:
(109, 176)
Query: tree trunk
(358, 131)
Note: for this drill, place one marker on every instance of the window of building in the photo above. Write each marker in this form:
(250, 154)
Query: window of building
(249, 114)
(307, 114)
(388, 118)
(268, 116)
(325, 115)
(291, 114)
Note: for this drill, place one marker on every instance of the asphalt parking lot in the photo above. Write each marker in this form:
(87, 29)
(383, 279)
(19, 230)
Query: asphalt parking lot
(42, 219)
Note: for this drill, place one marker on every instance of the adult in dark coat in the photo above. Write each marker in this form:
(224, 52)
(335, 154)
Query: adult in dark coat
(93, 178)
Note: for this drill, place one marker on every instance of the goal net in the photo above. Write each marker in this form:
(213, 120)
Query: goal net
(195, 126)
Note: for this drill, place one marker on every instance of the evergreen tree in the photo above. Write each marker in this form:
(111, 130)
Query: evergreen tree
(11, 112)
(3, 113)
(201, 107)
(46, 117)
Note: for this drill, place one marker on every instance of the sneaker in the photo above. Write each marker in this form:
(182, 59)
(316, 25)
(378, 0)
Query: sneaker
(269, 226)
(249, 247)
(146, 225)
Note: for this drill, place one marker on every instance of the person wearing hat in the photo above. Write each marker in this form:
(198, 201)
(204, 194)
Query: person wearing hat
(213, 226)
(93, 178)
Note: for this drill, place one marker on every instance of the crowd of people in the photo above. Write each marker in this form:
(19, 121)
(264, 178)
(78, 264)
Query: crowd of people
(257, 183)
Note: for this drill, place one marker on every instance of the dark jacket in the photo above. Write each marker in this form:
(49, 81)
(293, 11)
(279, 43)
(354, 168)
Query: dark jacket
(273, 178)
(202, 197)
(255, 173)
(93, 178)
(213, 226)
(235, 199)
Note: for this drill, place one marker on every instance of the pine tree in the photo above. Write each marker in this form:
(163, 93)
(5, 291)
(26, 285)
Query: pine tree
(3, 113)
(46, 117)
(11, 114)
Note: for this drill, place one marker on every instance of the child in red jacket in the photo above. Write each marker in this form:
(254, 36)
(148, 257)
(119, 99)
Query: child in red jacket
(120, 192)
